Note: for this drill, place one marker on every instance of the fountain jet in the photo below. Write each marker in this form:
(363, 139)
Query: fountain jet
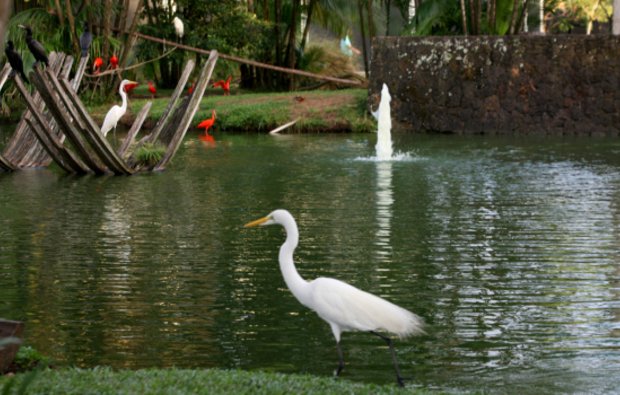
(384, 135)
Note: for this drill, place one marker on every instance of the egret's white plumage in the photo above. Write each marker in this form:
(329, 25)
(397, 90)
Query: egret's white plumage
(116, 112)
(343, 306)
(178, 26)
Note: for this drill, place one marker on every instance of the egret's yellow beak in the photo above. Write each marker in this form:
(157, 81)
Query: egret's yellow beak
(257, 222)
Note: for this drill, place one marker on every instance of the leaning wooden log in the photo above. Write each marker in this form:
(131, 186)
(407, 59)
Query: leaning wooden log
(135, 128)
(6, 165)
(173, 99)
(10, 339)
(43, 159)
(22, 138)
(63, 157)
(192, 107)
(91, 132)
(4, 74)
(53, 103)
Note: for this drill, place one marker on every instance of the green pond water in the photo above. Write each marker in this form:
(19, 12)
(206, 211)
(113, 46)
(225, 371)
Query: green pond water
(509, 248)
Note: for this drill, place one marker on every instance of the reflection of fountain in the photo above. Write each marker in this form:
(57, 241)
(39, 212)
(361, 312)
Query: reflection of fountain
(384, 118)
(384, 210)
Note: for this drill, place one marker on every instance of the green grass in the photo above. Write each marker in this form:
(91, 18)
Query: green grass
(321, 111)
(180, 381)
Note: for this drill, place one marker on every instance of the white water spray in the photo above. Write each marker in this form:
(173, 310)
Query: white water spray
(384, 135)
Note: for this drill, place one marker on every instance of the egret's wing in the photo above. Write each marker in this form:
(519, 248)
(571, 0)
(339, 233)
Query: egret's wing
(354, 309)
(111, 119)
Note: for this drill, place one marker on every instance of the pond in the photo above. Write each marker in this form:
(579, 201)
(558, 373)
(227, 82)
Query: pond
(508, 247)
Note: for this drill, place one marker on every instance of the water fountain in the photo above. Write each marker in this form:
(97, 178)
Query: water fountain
(384, 118)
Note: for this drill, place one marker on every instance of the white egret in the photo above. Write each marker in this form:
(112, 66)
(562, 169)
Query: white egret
(178, 27)
(344, 307)
(116, 112)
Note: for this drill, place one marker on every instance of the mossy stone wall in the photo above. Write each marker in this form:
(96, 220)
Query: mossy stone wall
(500, 85)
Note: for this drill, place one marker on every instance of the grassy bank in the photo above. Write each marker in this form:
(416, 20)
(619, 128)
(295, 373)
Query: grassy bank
(179, 381)
(317, 111)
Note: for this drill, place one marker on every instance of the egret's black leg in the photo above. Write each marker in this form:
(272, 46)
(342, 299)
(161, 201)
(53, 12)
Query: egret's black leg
(340, 360)
(399, 379)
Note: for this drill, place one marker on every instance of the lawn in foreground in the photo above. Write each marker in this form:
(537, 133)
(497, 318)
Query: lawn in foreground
(185, 381)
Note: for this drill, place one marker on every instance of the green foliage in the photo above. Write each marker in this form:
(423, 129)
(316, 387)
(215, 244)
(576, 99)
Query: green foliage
(28, 358)
(210, 381)
(326, 59)
(149, 154)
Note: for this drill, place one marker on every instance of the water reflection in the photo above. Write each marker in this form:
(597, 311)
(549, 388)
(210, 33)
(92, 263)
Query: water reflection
(384, 201)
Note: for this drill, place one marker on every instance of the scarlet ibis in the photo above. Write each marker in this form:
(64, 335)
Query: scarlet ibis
(152, 89)
(114, 61)
(190, 90)
(15, 60)
(299, 99)
(37, 49)
(85, 40)
(207, 123)
(224, 84)
(130, 87)
(97, 65)
(116, 112)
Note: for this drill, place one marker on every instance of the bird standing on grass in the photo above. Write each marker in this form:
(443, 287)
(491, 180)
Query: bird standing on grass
(152, 89)
(225, 85)
(15, 60)
(344, 307)
(116, 112)
(37, 49)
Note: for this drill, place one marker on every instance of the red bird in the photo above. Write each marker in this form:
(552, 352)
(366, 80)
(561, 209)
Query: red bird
(207, 123)
(114, 62)
(152, 89)
(130, 87)
(97, 65)
(224, 84)
(190, 90)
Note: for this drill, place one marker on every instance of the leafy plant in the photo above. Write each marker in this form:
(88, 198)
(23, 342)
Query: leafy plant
(149, 154)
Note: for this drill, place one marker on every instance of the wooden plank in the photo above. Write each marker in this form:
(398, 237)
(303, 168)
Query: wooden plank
(37, 155)
(192, 107)
(286, 125)
(55, 149)
(53, 105)
(189, 67)
(92, 133)
(6, 165)
(22, 138)
(4, 74)
(135, 128)
(12, 330)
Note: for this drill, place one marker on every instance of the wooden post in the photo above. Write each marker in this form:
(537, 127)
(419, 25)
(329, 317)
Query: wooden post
(56, 150)
(192, 107)
(4, 74)
(53, 104)
(9, 330)
(135, 128)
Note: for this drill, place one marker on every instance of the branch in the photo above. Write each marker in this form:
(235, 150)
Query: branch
(134, 66)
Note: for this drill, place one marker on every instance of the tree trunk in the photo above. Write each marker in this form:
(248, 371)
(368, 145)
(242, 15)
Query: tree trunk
(360, 9)
(61, 17)
(130, 39)
(5, 13)
(514, 17)
(107, 30)
(464, 17)
(304, 37)
(74, 37)
(388, 5)
(277, 8)
(616, 18)
(541, 15)
(292, 38)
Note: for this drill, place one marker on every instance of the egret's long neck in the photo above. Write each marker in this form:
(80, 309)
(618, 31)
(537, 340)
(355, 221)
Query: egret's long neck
(294, 282)
(121, 91)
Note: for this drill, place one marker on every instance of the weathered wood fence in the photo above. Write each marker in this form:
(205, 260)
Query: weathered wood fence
(57, 127)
